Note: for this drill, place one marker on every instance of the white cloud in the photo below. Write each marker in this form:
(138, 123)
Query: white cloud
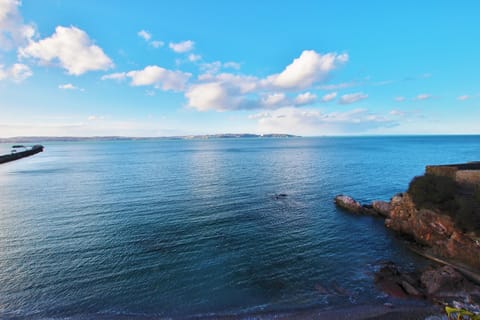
(215, 96)
(307, 69)
(160, 78)
(194, 57)
(13, 31)
(305, 98)
(183, 46)
(95, 118)
(314, 122)
(232, 65)
(338, 86)
(115, 76)
(274, 100)
(16, 73)
(400, 99)
(157, 43)
(211, 67)
(72, 48)
(145, 35)
(352, 97)
(155, 76)
(463, 97)
(69, 86)
(397, 113)
(216, 66)
(329, 97)
(227, 91)
(422, 96)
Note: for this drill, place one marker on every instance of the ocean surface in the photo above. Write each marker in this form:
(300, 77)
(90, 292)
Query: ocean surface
(179, 228)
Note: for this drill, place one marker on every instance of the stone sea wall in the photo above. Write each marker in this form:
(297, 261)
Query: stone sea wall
(464, 173)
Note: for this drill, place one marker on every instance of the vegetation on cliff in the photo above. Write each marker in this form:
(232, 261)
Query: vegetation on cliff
(443, 194)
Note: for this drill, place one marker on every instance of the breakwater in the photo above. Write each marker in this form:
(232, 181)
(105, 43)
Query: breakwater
(22, 154)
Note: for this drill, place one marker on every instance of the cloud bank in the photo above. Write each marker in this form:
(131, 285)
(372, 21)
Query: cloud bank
(315, 122)
(228, 91)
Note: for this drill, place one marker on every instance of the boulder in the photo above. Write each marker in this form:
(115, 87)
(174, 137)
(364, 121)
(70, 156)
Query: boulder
(381, 207)
(410, 289)
(348, 203)
(446, 282)
(439, 284)
(392, 280)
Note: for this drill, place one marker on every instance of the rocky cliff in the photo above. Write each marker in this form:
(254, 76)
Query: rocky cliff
(439, 215)
(440, 212)
(434, 229)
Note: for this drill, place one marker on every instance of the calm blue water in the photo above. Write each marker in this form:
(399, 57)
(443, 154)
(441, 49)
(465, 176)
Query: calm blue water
(175, 228)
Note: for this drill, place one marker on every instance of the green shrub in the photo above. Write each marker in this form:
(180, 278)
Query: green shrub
(430, 191)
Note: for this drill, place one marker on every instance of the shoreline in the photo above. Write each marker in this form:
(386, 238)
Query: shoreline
(406, 310)
(361, 312)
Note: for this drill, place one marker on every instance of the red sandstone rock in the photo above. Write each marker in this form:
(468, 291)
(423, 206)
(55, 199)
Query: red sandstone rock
(381, 207)
(348, 203)
(445, 281)
(434, 229)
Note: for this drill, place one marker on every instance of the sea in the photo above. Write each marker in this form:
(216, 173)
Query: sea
(162, 228)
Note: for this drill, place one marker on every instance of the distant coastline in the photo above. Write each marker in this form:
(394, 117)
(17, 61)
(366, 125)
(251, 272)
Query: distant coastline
(110, 138)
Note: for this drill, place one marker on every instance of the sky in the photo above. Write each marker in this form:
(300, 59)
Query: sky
(311, 68)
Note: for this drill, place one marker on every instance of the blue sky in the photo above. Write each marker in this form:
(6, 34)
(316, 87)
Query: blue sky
(158, 68)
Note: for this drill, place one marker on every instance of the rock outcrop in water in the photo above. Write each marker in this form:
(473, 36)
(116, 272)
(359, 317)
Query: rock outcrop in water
(440, 215)
(440, 212)
(435, 230)
(348, 203)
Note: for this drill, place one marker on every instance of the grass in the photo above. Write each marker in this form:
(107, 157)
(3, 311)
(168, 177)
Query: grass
(444, 195)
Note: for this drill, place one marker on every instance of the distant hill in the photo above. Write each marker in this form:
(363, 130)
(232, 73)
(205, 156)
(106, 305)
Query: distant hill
(110, 138)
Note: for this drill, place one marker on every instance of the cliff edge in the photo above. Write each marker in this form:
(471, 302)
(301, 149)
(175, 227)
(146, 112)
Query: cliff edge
(441, 210)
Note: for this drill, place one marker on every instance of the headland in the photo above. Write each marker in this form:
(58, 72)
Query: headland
(439, 218)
